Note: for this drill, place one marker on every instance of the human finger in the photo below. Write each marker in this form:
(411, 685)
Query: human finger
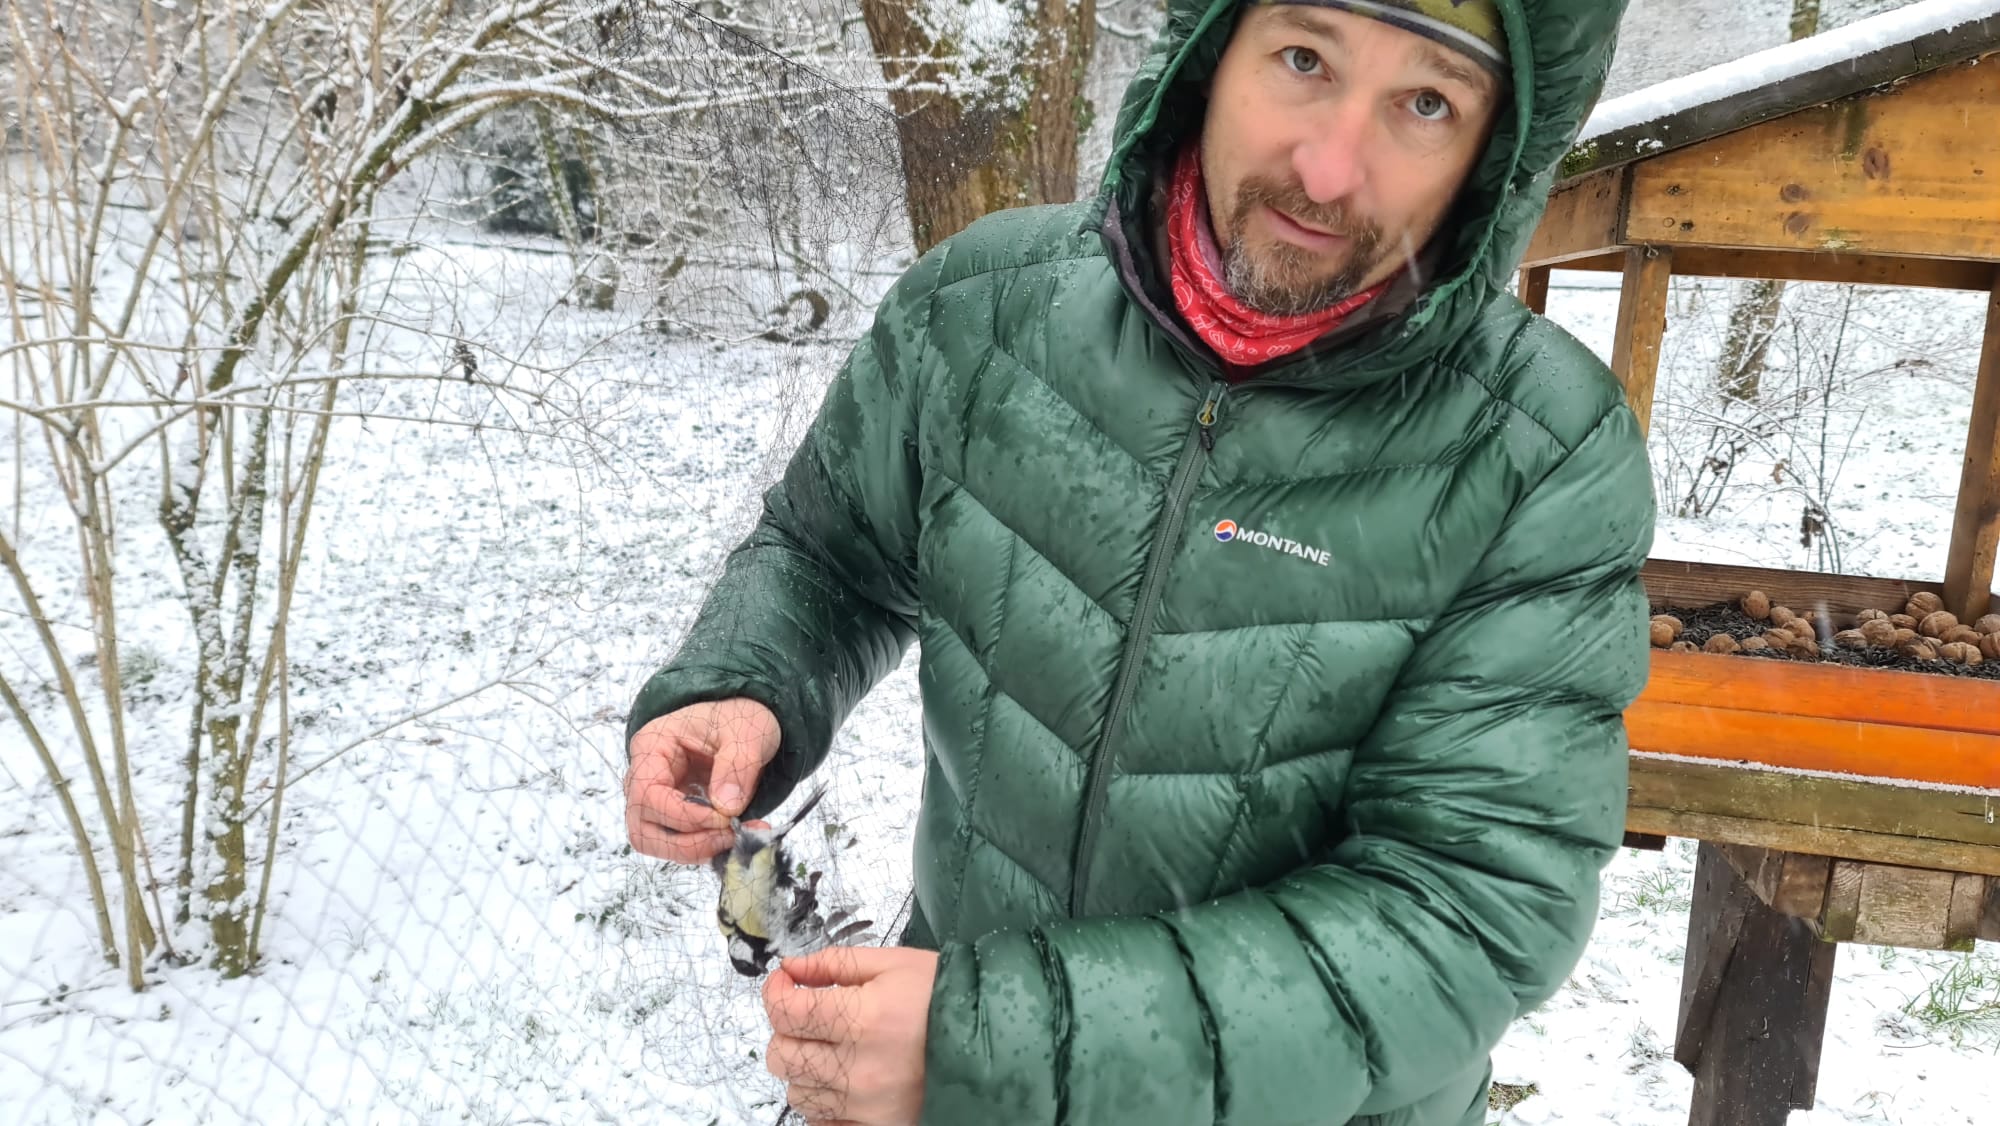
(651, 838)
(667, 763)
(744, 738)
(811, 1063)
(680, 848)
(826, 1015)
(819, 1105)
(671, 808)
(844, 965)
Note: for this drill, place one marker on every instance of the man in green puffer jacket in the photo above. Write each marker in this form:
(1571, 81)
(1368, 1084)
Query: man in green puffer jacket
(1276, 579)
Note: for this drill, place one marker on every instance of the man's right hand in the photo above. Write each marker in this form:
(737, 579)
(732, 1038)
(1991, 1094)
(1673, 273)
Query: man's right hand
(721, 746)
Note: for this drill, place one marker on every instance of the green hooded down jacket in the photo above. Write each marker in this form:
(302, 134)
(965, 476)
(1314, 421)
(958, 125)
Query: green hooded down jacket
(1273, 730)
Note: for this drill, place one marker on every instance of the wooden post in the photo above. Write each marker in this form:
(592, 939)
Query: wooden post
(1534, 286)
(1754, 992)
(1975, 531)
(1642, 325)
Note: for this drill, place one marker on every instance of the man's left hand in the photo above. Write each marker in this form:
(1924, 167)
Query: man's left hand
(847, 1033)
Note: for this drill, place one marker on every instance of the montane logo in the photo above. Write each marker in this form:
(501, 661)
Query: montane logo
(1229, 531)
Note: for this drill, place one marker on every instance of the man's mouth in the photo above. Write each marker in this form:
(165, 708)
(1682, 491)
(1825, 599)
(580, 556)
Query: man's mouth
(1299, 234)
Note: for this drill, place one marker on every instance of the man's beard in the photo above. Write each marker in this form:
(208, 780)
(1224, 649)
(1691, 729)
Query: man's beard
(1282, 281)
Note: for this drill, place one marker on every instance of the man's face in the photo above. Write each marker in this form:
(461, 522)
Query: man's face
(1333, 146)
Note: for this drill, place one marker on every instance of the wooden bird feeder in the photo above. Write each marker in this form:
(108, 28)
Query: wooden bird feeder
(1834, 804)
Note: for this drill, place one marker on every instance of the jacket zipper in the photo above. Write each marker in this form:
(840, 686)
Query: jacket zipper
(1195, 449)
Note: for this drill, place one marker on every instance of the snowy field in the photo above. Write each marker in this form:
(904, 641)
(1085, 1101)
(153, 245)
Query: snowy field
(459, 931)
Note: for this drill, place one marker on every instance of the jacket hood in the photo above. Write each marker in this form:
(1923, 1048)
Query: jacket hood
(1561, 51)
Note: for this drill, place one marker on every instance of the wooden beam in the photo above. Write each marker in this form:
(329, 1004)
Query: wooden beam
(1843, 900)
(1838, 78)
(1810, 266)
(1877, 848)
(1582, 219)
(1746, 724)
(1928, 703)
(1887, 905)
(1851, 818)
(1534, 289)
(1903, 907)
(1796, 742)
(1968, 899)
(1754, 990)
(1913, 170)
(1642, 325)
(1714, 921)
(1989, 920)
(1975, 529)
(1676, 582)
(1788, 882)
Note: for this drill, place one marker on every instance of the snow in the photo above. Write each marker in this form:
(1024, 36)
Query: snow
(987, 33)
(1732, 79)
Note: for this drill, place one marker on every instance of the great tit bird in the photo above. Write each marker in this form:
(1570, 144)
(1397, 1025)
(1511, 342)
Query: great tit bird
(766, 911)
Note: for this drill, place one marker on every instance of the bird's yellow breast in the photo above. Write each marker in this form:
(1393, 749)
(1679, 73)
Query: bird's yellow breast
(747, 891)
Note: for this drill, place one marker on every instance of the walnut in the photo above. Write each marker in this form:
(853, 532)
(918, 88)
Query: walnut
(1905, 636)
(1962, 633)
(1871, 614)
(1936, 623)
(1780, 638)
(1988, 624)
(1923, 602)
(1758, 644)
(1722, 643)
(1757, 605)
(1989, 646)
(1852, 639)
(1923, 649)
(1805, 650)
(1902, 621)
(1663, 634)
(1783, 615)
(1686, 647)
(1877, 631)
(1958, 652)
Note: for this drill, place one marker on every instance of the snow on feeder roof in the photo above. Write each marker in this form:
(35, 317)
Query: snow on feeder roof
(1822, 68)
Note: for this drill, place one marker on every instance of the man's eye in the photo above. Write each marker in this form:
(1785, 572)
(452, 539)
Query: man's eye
(1431, 106)
(1300, 59)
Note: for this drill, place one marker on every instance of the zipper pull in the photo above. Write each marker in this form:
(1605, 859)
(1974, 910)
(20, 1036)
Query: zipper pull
(1209, 409)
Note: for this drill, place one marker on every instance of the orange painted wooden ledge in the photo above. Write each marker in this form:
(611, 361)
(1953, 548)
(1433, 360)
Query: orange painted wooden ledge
(1876, 723)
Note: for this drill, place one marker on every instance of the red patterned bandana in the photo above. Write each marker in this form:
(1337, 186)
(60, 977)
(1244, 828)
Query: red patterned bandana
(1242, 336)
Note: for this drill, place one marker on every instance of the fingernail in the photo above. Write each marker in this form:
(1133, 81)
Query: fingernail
(729, 797)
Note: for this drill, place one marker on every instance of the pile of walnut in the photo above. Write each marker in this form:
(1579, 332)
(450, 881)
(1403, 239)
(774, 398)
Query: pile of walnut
(1925, 630)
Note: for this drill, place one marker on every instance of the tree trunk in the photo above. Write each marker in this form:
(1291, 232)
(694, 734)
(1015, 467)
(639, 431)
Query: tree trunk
(1805, 19)
(1754, 318)
(1012, 142)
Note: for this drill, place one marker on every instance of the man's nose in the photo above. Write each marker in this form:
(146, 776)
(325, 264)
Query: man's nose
(1329, 161)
